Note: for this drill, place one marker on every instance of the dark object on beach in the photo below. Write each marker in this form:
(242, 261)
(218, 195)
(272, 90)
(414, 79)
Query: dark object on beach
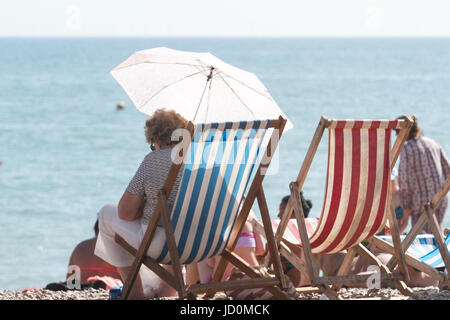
(115, 293)
(62, 286)
(399, 212)
(120, 106)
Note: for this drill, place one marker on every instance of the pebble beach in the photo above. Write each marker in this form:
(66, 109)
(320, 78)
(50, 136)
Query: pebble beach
(427, 293)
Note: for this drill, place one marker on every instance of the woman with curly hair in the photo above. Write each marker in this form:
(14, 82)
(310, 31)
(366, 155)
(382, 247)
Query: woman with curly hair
(131, 216)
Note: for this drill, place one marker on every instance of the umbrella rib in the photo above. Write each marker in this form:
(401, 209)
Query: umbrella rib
(232, 90)
(209, 99)
(201, 99)
(156, 62)
(246, 85)
(170, 84)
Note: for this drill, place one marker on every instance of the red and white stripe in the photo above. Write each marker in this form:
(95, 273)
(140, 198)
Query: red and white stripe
(358, 184)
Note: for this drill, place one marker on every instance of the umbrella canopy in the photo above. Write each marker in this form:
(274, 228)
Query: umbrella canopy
(199, 86)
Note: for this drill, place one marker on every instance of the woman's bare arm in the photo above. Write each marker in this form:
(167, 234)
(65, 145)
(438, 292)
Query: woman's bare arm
(130, 206)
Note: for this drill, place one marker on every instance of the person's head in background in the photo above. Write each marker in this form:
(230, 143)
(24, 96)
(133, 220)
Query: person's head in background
(306, 204)
(415, 131)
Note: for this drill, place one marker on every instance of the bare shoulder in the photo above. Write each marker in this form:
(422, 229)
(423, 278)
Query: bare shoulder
(83, 247)
(86, 244)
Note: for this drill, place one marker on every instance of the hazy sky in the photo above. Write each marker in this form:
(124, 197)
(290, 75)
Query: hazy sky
(216, 18)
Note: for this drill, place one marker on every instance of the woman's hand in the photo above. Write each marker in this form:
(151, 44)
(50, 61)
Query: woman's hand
(131, 206)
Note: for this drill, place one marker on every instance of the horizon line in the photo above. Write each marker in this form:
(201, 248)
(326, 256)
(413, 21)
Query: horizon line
(228, 37)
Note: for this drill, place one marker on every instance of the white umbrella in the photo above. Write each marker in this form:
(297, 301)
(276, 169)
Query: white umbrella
(199, 86)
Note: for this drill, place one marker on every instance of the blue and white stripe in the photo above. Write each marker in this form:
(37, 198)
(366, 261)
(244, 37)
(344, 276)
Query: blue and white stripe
(434, 257)
(424, 248)
(216, 172)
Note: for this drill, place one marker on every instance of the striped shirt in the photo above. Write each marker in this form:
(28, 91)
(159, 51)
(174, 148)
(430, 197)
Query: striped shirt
(422, 171)
(150, 178)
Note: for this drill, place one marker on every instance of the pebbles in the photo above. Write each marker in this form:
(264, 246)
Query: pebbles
(42, 294)
(428, 293)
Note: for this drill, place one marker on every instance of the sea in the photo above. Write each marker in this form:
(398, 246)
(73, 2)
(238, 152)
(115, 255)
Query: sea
(66, 150)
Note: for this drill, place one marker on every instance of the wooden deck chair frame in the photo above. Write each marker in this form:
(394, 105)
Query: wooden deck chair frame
(275, 285)
(329, 285)
(427, 216)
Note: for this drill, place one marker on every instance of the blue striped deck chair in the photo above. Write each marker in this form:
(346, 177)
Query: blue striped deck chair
(423, 254)
(434, 257)
(425, 249)
(421, 245)
(219, 164)
(427, 253)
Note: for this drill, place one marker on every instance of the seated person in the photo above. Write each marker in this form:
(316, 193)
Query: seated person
(328, 263)
(306, 204)
(288, 269)
(130, 217)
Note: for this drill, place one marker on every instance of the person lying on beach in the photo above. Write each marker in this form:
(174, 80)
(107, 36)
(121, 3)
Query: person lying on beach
(129, 219)
(86, 270)
(89, 264)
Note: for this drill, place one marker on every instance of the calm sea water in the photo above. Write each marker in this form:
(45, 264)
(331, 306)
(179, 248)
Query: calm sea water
(66, 150)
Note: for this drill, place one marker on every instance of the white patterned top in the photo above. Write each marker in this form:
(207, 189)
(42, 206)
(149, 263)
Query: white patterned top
(150, 178)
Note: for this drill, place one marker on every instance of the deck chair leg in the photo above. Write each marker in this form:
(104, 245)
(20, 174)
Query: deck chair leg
(300, 217)
(140, 255)
(371, 258)
(399, 253)
(150, 263)
(435, 229)
(345, 266)
(400, 141)
(131, 278)
(329, 292)
(302, 175)
(284, 249)
(247, 269)
(181, 288)
(408, 239)
(274, 252)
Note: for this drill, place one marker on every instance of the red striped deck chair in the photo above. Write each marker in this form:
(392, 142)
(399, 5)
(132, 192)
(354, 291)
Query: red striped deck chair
(356, 202)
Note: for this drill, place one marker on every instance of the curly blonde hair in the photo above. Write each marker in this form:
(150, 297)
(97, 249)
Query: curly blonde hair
(159, 128)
